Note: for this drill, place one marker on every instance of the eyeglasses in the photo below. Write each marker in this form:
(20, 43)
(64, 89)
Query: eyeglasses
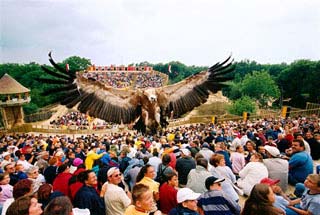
(117, 175)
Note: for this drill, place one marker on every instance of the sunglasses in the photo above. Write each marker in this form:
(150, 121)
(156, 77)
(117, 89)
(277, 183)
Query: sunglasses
(117, 175)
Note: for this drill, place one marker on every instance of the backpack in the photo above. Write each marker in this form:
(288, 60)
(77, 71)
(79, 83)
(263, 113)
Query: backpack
(161, 177)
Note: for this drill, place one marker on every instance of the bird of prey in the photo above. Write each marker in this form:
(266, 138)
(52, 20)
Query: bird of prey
(147, 108)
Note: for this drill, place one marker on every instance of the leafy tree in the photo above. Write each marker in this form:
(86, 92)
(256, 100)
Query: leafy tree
(260, 86)
(244, 104)
(77, 63)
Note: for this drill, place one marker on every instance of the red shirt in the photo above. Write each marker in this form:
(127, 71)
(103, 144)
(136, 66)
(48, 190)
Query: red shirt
(168, 198)
(61, 183)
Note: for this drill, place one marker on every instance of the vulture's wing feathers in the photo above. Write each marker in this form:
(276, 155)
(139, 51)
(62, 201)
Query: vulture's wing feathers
(193, 91)
(111, 104)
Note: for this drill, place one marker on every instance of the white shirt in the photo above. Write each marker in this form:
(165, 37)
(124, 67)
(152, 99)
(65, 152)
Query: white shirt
(116, 200)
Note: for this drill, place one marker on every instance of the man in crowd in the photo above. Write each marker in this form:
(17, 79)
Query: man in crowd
(300, 163)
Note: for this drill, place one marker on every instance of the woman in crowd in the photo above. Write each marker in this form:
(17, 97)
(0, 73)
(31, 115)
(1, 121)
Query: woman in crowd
(6, 188)
(260, 202)
(168, 193)
(25, 205)
(252, 173)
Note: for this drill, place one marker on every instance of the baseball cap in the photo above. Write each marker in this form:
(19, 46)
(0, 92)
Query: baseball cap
(185, 194)
(111, 171)
(205, 145)
(77, 162)
(211, 180)
(186, 152)
(269, 181)
(274, 151)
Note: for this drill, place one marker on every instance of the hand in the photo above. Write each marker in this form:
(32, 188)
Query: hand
(157, 213)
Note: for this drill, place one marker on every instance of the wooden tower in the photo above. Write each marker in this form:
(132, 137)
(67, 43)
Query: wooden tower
(12, 96)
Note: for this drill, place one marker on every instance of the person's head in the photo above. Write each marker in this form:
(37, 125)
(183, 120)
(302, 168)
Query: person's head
(213, 183)
(273, 183)
(272, 151)
(33, 172)
(19, 167)
(166, 159)
(53, 161)
(44, 191)
(4, 178)
(25, 205)
(142, 197)
(9, 168)
(21, 188)
(59, 206)
(202, 162)
(146, 171)
(63, 168)
(262, 194)
(256, 157)
(185, 152)
(217, 160)
(239, 148)
(172, 179)
(261, 150)
(187, 198)
(114, 175)
(313, 182)
(250, 146)
(89, 178)
(21, 156)
(297, 146)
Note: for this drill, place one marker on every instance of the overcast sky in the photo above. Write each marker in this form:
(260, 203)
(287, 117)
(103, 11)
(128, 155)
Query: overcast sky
(194, 32)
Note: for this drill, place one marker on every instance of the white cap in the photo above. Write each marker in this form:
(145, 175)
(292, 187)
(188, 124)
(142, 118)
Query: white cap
(6, 154)
(186, 152)
(111, 171)
(274, 151)
(185, 194)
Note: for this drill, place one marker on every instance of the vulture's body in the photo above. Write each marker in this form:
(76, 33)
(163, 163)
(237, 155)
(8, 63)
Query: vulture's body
(147, 108)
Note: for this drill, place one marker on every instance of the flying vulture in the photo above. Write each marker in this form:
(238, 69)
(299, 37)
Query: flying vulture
(147, 108)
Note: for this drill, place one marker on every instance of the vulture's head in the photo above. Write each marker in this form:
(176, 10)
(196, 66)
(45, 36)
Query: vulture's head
(151, 94)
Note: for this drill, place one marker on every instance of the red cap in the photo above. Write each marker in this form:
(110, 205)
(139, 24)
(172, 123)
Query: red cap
(269, 181)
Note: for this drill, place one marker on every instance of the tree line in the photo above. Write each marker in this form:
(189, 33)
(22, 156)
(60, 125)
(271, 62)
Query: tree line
(291, 84)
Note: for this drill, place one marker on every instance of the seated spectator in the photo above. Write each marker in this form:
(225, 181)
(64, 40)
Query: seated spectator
(115, 198)
(260, 201)
(277, 167)
(310, 200)
(6, 188)
(142, 199)
(168, 193)
(198, 176)
(33, 175)
(237, 159)
(300, 163)
(187, 202)
(21, 188)
(25, 205)
(46, 194)
(59, 205)
(61, 182)
(215, 201)
(252, 173)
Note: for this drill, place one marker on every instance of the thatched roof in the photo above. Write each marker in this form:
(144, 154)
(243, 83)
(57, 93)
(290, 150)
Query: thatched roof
(10, 86)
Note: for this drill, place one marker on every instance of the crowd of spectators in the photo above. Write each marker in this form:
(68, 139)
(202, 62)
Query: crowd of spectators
(75, 118)
(145, 80)
(192, 169)
(126, 79)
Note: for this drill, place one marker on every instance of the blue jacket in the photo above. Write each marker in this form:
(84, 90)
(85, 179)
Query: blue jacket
(87, 197)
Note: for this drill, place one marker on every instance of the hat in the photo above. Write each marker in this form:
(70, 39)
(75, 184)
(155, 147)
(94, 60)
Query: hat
(6, 154)
(111, 171)
(185, 194)
(205, 145)
(274, 151)
(211, 180)
(186, 152)
(77, 162)
(269, 181)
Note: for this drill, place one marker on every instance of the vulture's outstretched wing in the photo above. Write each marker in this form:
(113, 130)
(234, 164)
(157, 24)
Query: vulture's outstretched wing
(111, 104)
(193, 91)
